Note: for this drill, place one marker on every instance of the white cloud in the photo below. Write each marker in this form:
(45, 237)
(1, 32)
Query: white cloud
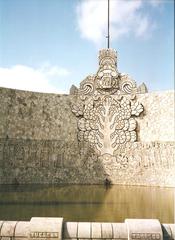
(155, 3)
(54, 71)
(142, 27)
(126, 17)
(27, 78)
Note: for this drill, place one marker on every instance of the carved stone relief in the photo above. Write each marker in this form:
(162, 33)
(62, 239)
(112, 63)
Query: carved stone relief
(106, 108)
(107, 122)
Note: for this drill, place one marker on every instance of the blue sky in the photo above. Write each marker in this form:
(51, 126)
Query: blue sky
(48, 45)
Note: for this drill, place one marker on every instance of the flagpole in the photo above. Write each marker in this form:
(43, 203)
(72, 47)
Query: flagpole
(108, 37)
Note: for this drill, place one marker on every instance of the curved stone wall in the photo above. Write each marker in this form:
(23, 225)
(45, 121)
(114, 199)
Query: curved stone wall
(39, 143)
(55, 228)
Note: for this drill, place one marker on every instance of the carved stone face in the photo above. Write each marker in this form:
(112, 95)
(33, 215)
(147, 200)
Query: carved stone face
(106, 80)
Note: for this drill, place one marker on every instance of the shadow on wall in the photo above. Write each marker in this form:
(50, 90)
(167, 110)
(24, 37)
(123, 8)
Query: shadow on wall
(38, 141)
(24, 161)
(48, 161)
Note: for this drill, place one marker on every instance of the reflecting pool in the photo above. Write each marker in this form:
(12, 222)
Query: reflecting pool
(86, 202)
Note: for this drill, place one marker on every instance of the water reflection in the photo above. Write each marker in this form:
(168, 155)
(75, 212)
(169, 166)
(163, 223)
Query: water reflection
(86, 203)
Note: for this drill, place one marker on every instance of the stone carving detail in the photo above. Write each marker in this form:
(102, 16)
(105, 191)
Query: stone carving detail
(107, 122)
(106, 107)
(86, 86)
(127, 85)
(107, 77)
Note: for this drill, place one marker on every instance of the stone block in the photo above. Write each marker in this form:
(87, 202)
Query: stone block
(8, 229)
(84, 230)
(22, 230)
(47, 228)
(120, 231)
(107, 231)
(172, 227)
(70, 230)
(96, 230)
(147, 229)
(167, 234)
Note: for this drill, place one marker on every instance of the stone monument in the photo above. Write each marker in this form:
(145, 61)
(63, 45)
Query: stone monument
(106, 109)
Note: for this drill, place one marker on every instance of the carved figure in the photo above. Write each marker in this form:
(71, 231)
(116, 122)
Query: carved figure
(106, 107)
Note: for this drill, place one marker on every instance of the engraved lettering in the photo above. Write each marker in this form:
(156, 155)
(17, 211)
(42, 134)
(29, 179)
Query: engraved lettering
(147, 236)
(45, 235)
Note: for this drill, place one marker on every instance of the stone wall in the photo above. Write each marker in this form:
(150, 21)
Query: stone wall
(158, 120)
(38, 143)
(29, 115)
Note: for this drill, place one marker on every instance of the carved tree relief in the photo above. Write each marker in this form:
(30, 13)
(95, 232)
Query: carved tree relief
(106, 107)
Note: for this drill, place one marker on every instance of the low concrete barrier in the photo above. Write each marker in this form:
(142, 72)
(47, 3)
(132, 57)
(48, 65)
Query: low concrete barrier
(57, 229)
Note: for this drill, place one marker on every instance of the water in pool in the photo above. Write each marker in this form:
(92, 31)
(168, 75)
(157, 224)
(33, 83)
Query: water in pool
(86, 202)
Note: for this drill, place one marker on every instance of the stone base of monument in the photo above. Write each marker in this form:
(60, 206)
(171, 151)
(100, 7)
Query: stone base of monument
(57, 229)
